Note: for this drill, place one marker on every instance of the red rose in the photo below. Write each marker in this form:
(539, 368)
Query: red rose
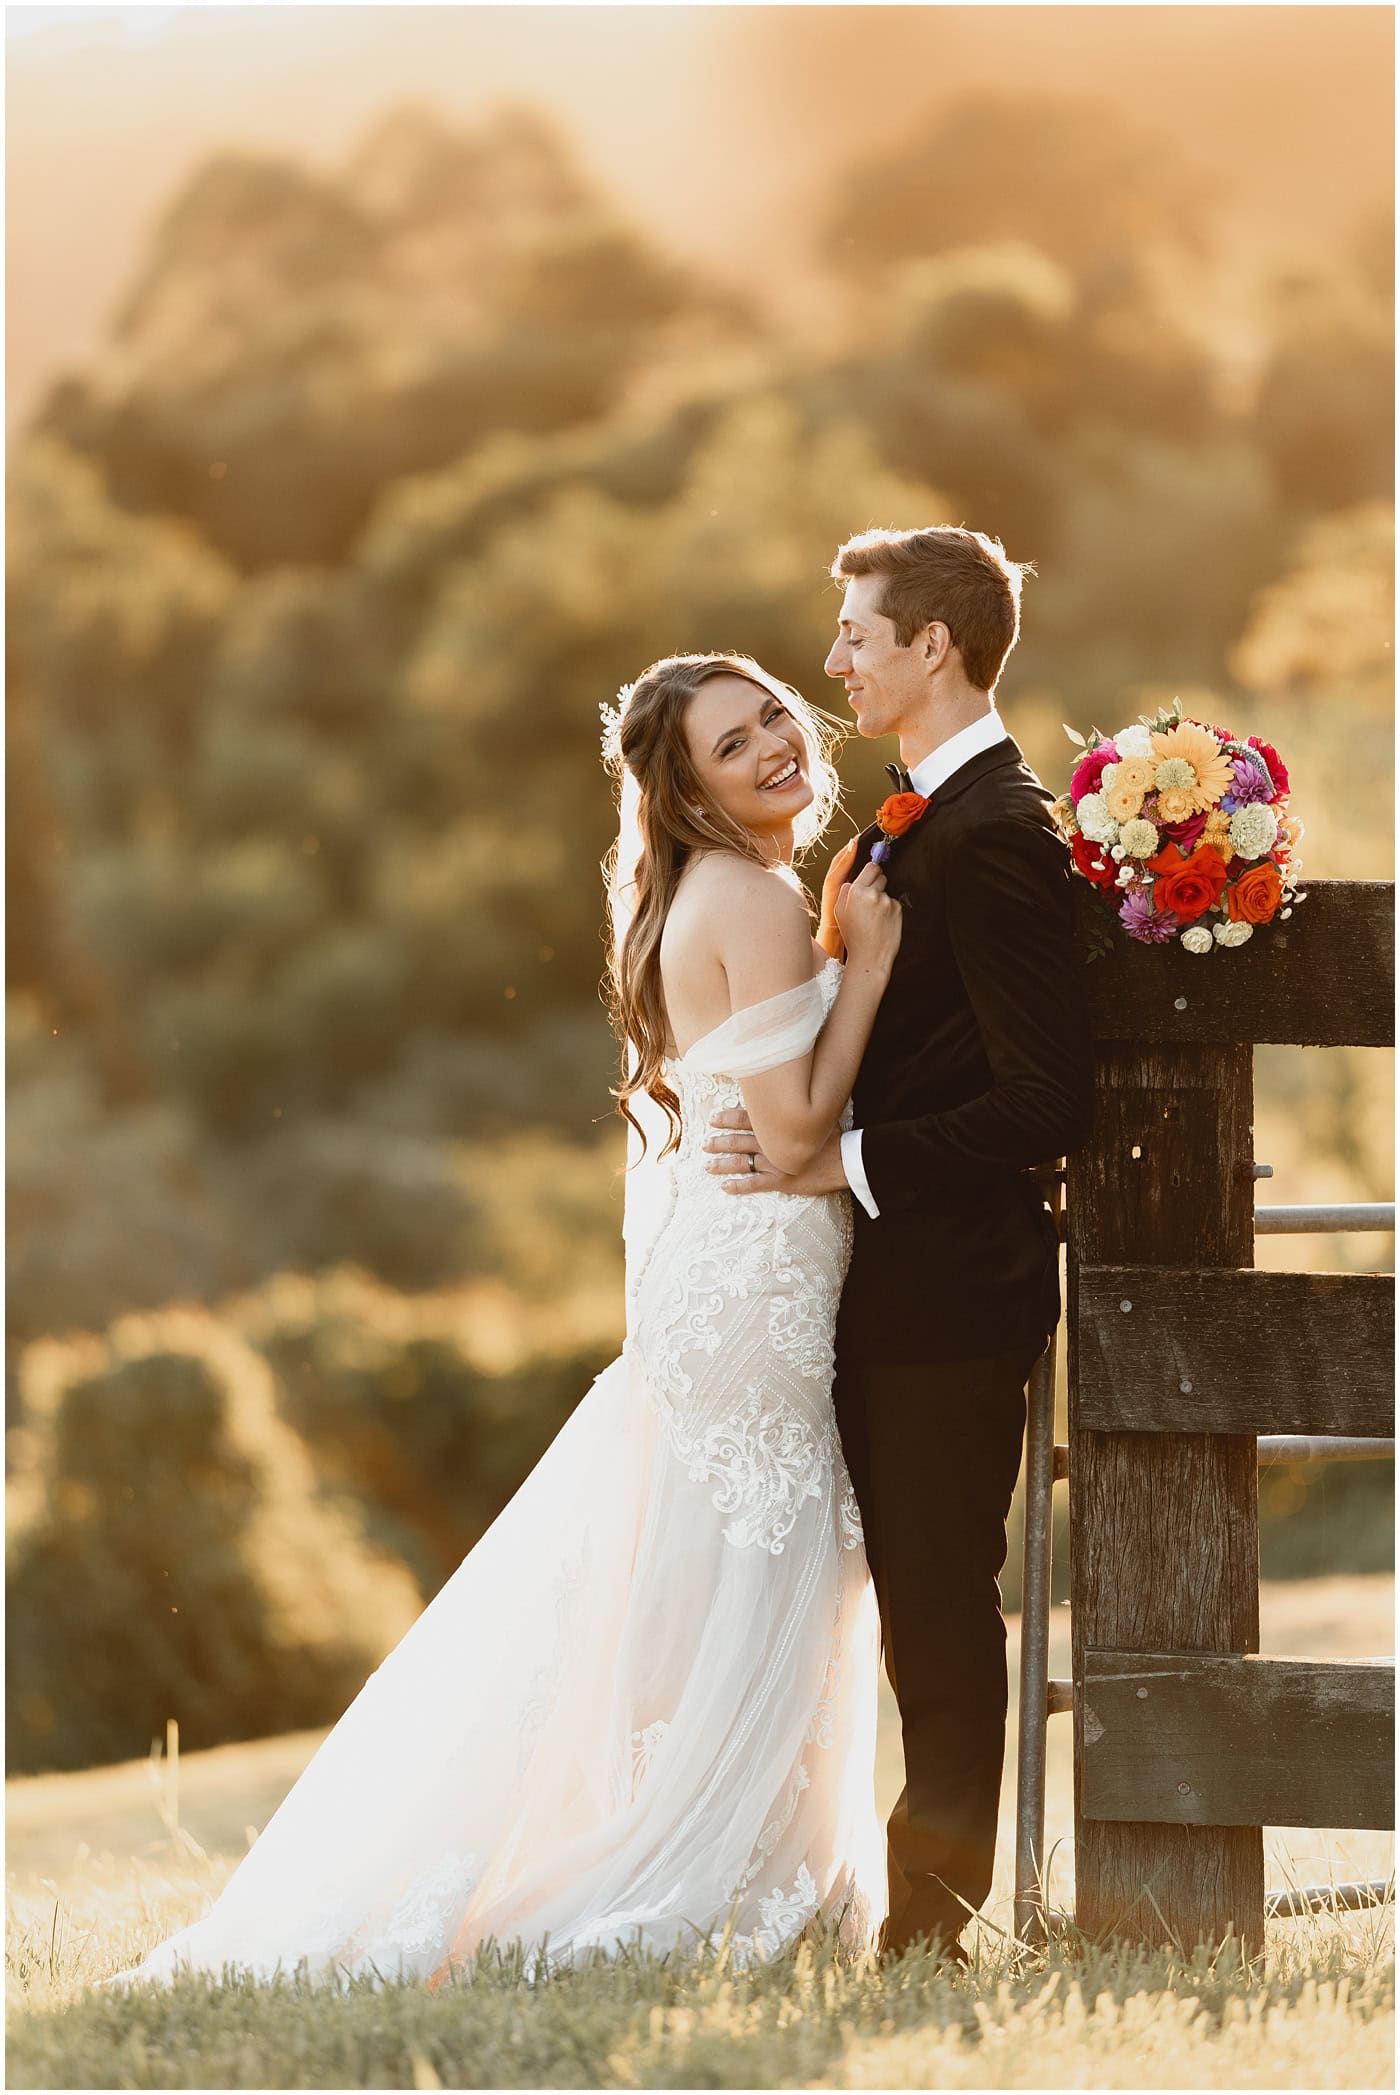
(1187, 886)
(1093, 861)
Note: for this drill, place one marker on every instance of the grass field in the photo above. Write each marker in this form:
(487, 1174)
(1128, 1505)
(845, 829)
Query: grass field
(101, 1864)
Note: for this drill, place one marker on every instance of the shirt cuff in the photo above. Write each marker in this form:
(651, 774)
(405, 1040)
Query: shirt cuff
(855, 1172)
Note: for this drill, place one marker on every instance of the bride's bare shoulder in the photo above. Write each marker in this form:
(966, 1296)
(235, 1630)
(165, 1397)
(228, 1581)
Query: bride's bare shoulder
(722, 891)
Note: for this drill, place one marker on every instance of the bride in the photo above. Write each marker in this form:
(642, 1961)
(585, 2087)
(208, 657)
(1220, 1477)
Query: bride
(643, 1708)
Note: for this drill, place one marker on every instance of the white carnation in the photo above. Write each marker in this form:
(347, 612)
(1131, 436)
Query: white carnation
(1228, 934)
(1138, 838)
(1134, 742)
(1196, 939)
(1108, 779)
(1094, 819)
(1253, 829)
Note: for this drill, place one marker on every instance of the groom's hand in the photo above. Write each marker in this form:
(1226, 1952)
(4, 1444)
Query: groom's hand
(734, 1156)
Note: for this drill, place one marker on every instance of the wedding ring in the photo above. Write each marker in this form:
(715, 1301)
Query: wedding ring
(753, 1161)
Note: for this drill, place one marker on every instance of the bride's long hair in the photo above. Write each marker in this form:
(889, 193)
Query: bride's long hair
(673, 821)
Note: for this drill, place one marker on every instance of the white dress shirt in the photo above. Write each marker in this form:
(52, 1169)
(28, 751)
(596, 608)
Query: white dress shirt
(925, 778)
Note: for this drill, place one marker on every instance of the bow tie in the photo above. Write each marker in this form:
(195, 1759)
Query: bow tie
(899, 778)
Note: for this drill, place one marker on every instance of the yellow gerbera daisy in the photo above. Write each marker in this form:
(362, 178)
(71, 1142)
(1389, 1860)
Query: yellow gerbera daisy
(1124, 801)
(1207, 760)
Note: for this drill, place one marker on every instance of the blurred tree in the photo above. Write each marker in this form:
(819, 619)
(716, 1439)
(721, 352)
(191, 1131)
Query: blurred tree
(1325, 413)
(1160, 548)
(330, 819)
(1076, 176)
(296, 343)
(113, 617)
(178, 1560)
(1328, 622)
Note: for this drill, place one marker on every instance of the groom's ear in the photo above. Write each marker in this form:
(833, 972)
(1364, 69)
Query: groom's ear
(937, 642)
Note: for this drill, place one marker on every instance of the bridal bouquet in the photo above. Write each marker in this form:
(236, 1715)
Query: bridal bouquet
(1184, 830)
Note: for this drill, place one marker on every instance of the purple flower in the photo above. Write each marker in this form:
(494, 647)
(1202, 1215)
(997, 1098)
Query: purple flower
(879, 852)
(1141, 921)
(1250, 784)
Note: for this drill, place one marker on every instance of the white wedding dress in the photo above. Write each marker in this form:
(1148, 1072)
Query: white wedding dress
(643, 1708)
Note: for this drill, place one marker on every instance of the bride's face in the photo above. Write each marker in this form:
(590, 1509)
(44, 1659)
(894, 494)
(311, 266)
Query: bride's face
(749, 754)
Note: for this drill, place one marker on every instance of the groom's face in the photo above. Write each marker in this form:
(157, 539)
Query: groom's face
(886, 684)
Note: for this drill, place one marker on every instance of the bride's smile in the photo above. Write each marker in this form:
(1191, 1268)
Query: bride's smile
(750, 755)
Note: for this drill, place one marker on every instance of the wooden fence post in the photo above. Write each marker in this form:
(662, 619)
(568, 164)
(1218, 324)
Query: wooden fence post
(1164, 1526)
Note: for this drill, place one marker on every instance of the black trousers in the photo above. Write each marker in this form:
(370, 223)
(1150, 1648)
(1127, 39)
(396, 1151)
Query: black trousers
(934, 1450)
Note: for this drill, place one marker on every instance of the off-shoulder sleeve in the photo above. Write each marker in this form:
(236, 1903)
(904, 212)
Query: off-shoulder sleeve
(762, 1035)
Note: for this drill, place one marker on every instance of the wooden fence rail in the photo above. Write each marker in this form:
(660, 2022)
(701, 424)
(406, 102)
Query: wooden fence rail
(1179, 1357)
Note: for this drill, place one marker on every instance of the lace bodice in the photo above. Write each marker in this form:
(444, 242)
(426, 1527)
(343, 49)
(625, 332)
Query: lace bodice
(722, 1280)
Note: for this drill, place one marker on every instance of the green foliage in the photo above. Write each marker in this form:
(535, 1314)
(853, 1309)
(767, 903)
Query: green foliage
(177, 1560)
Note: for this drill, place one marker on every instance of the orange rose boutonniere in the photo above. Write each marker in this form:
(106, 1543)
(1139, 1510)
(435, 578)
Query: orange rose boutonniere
(895, 815)
(900, 812)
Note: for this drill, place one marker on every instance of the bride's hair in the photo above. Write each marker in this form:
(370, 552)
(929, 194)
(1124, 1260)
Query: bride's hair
(675, 820)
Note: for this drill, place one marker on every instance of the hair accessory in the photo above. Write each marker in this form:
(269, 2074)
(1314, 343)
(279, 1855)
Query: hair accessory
(611, 713)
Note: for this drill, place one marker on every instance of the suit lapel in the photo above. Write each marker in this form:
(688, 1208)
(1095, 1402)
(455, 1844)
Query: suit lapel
(1002, 753)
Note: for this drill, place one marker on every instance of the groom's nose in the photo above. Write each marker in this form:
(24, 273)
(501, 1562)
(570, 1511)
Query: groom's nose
(838, 661)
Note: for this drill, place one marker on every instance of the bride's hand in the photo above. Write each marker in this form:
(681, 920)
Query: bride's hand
(838, 873)
(870, 921)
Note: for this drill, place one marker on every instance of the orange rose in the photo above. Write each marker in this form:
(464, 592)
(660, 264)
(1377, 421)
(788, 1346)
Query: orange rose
(900, 812)
(1187, 886)
(1255, 895)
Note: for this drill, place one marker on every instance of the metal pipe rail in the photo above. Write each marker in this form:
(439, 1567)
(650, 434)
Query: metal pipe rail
(1035, 1689)
(1331, 1898)
(1047, 1463)
(1307, 1447)
(1344, 1215)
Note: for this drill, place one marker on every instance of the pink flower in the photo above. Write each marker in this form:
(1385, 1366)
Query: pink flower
(1089, 771)
(1186, 835)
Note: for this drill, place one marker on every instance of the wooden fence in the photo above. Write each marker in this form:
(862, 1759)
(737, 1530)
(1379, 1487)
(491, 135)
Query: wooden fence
(1186, 1741)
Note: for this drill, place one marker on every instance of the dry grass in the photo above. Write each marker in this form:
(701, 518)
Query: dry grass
(101, 1866)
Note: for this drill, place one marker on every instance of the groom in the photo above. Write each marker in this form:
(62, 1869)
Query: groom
(978, 1069)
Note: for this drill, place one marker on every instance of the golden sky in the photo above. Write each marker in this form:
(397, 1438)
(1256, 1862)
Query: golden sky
(711, 123)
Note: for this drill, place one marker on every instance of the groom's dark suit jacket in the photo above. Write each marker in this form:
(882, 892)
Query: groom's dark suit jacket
(979, 1067)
